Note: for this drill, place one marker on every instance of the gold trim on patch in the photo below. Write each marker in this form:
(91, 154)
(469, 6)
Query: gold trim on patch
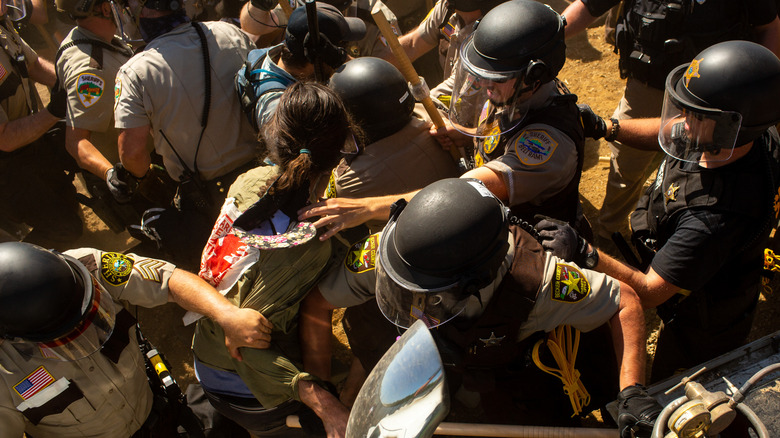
(116, 268)
(569, 284)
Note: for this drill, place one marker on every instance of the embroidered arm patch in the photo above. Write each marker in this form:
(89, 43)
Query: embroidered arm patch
(569, 284)
(534, 147)
(115, 268)
(362, 255)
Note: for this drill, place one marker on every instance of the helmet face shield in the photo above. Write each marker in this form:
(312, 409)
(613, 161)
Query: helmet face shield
(693, 133)
(126, 20)
(403, 305)
(89, 334)
(14, 9)
(483, 99)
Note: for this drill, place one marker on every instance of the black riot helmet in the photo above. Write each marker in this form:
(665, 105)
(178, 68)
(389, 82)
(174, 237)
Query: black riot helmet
(517, 46)
(50, 306)
(725, 98)
(443, 247)
(376, 95)
(484, 6)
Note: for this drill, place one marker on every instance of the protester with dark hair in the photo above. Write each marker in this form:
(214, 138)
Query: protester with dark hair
(273, 262)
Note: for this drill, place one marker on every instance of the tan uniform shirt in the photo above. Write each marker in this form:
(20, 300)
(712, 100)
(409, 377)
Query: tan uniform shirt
(18, 95)
(354, 281)
(164, 87)
(90, 87)
(115, 397)
(408, 160)
(373, 44)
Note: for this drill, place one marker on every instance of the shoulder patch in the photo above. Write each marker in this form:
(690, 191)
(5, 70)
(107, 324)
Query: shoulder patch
(494, 137)
(362, 255)
(3, 72)
(569, 284)
(89, 88)
(115, 268)
(534, 147)
(34, 383)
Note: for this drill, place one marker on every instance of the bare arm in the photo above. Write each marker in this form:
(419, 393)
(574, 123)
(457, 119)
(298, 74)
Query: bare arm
(492, 181)
(333, 414)
(42, 71)
(638, 133)
(414, 45)
(79, 146)
(257, 21)
(39, 14)
(577, 18)
(628, 336)
(21, 132)
(340, 213)
(243, 327)
(132, 150)
(768, 35)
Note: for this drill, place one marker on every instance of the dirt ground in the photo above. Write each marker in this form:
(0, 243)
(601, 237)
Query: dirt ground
(590, 72)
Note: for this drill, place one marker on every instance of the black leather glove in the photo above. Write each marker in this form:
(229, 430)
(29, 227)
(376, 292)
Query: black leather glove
(121, 183)
(637, 412)
(561, 239)
(58, 101)
(594, 126)
(265, 5)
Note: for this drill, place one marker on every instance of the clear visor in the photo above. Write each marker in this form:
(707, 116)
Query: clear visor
(486, 103)
(86, 338)
(126, 20)
(403, 306)
(14, 9)
(696, 134)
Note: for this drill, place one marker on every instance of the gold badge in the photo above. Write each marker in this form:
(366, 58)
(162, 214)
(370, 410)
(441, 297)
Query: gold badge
(671, 193)
(692, 71)
(490, 143)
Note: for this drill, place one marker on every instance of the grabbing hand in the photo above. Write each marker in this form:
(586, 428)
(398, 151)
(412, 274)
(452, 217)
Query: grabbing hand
(58, 101)
(337, 214)
(594, 126)
(637, 412)
(246, 328)
(562, 240)
(121, 183)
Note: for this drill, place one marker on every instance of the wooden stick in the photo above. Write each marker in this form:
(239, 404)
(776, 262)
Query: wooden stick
(407, 69)
(507, 430)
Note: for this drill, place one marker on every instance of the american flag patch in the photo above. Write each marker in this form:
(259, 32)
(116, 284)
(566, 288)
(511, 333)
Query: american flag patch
(448, 30)
(32, 384)
(3, 72)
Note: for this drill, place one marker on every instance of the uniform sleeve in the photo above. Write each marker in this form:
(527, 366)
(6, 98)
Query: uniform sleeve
(701, 243)
(537, 164)
(30, 55)
(598, 8)
(88, 106)
(10, 418)
(138, 280)
(353, 281)
(428, 30)
(574, 296)
(129, 109)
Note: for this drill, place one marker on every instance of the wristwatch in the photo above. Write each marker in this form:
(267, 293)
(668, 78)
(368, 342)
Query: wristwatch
(592, 258)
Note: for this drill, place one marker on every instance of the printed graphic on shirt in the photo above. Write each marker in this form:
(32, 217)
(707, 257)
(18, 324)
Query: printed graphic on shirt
(362, 255)
(150, 269)
(117, 91)
(115, 268)
(569, 285)
(34, 383)
(534, 147)
(3, 72)
(89, 88)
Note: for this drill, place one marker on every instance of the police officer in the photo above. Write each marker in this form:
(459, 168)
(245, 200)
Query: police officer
(70, 355)
(268, 72)
(654, 37)
(524, 123)
(398, 155)
(87, 62)
(702, 226)
(445, 28)
(453, 259)
(36, 190)
(177, 90)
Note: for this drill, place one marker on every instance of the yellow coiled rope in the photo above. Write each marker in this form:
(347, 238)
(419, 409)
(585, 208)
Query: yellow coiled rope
(564, 350)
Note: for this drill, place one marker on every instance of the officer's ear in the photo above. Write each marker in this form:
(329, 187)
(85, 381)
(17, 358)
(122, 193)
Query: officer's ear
(105, 10)
(536, 71)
